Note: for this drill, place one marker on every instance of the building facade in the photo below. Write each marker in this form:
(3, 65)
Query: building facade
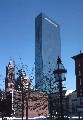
(79, 81)
(47, 50)
(79, 73)
(37, 104)
(19, 100)
(71, 103)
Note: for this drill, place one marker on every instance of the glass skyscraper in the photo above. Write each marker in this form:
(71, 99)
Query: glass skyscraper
(47, 50)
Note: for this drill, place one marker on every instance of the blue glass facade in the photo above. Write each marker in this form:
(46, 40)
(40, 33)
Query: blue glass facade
(47, 50)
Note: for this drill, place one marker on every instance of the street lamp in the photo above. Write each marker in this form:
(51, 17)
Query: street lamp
(59, 74)
(27, 87)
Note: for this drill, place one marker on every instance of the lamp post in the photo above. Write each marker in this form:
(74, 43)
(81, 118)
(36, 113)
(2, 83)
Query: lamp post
(59, 74)
(27, 91)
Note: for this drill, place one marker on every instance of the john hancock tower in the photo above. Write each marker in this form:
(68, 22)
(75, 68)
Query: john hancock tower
(47, 50)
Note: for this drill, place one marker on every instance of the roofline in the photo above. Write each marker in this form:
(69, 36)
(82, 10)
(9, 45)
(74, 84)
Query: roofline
(77, 56)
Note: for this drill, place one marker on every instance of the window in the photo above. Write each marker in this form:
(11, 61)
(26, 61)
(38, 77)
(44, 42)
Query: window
(80, 81)
(79, 71)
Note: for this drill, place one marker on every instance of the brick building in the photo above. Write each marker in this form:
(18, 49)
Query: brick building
(22, 96)
(37, 104)
(79, 81)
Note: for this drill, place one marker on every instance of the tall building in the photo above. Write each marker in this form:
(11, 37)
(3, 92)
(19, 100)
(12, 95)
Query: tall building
(47, 50)
(79, 73)
(79, 80)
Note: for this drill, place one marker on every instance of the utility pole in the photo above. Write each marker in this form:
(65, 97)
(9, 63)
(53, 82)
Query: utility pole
(61, 105)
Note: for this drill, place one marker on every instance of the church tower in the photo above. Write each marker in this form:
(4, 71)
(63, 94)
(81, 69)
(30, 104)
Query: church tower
(10, 77)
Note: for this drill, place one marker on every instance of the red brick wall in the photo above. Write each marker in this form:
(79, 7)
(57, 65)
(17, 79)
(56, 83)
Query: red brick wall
(37, 104)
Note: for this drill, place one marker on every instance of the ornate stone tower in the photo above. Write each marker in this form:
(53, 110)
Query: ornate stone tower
(10, 77)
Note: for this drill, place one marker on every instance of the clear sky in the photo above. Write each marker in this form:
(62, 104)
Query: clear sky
(17, 32)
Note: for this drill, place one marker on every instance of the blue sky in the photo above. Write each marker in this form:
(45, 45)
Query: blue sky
(17, 32)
